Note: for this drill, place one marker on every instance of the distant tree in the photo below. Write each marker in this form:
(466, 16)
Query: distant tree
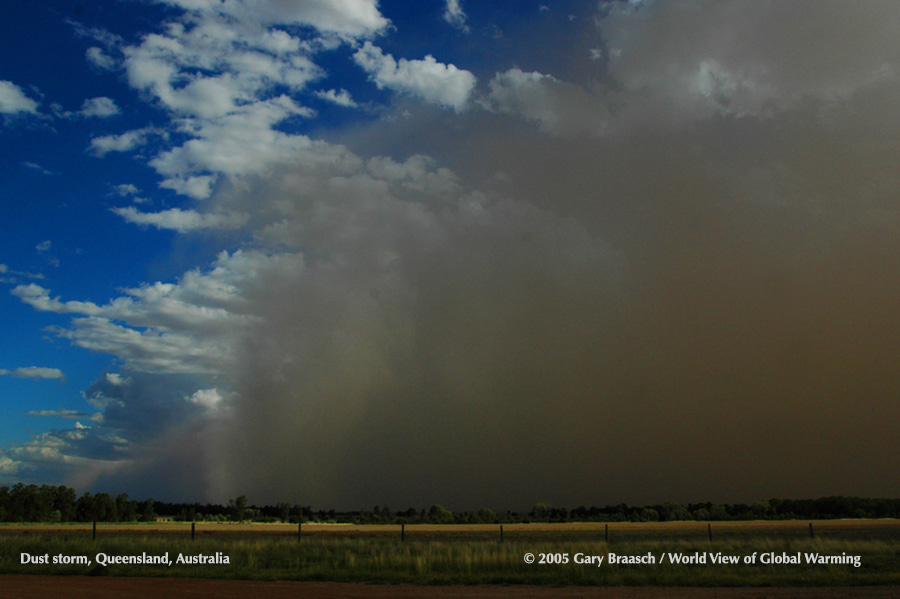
(147, 511)
(44, 504)
(619, 513)
(4, 504)
(718, 512)
(126, 511)
(741, 511)
(301, 513)
(104, 508)
(238, 508)
(378, 515)
(540, 512)
(559, 514)
(64, 500)
(283, 511)
(24, 503)
(86, 508)
(761, 509)
(486, 516)
(410, 515)
(438, 514)
(675, 511)
(648, 514)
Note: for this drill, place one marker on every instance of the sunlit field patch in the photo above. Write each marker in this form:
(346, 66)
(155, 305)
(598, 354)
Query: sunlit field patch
(474, 554)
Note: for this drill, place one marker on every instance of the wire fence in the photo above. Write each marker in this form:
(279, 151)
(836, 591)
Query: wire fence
(612, 532)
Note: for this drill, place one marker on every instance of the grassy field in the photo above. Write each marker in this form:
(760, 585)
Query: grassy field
(475, 554)
(887, 529)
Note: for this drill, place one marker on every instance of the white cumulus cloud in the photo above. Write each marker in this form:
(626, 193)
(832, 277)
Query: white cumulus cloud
(101, 107)
(13, 100)
(182, 220)
(341, 98)
(748, 58)
(556, 106)
(208, 398)
(34, 372)
(100, 146)
(100, 59)
(39, 298)
(69, 414)
(455, 15)
(433, 81)
(350, 18)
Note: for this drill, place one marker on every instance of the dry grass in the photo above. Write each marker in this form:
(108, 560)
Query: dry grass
(473, 554)
(850, 528)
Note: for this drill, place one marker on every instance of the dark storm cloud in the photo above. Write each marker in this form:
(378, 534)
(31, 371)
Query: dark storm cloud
(428, 351)
(673, 277)
(691, 298)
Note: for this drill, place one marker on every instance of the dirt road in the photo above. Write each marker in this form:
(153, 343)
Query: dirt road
(77, 587)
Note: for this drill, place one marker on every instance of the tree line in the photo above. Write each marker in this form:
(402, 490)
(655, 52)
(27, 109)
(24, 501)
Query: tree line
(49, 503)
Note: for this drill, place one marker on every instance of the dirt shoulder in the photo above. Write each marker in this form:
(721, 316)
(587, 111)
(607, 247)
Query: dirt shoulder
(41, 587)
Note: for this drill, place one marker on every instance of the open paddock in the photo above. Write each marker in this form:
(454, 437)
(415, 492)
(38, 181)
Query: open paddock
(76, 587)
(851, 529)
(552, 557)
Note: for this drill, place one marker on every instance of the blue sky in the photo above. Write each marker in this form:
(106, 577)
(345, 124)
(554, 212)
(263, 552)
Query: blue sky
(352, 252)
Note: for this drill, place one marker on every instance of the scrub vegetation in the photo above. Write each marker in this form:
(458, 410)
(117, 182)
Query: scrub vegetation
(49, 503)
(473, 554)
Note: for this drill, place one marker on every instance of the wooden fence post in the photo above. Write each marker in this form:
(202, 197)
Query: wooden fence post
(403, 532)
(811, 535)
(94, 531)
(501, 533)
(606, 533)
(709, 530)
(299, 530)
(193, 529)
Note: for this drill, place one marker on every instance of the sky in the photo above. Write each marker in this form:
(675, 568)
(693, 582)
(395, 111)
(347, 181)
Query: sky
(348, 253)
